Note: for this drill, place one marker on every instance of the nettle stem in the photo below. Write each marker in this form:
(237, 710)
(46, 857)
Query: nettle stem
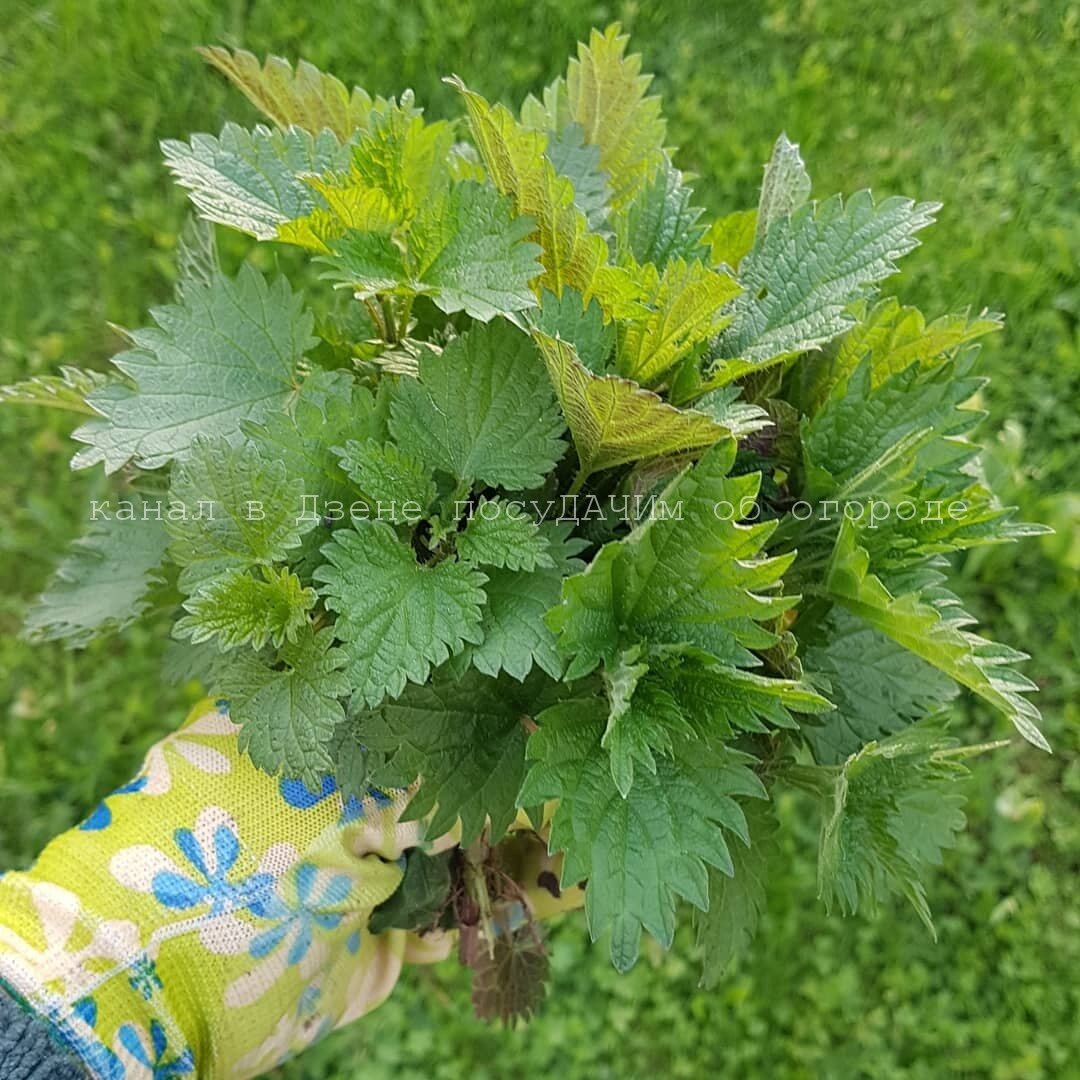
(475, 879)
(578, 483)
(377, 319)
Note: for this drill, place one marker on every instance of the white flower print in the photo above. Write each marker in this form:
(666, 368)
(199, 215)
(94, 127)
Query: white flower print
(189, 744)
(67, 971)
(210, 887)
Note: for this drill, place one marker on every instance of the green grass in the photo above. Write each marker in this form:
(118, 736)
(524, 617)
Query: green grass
(970, 103)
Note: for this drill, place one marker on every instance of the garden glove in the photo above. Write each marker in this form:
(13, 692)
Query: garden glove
(208, 920)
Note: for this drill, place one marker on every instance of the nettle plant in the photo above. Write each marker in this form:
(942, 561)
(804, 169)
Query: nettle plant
(577, 510)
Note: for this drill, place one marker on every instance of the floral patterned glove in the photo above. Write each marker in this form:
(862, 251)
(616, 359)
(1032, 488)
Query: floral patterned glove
(208, 920)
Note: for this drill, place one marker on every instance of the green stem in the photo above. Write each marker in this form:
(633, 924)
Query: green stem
(579, 481)
(388, 313)
(376, 317)
(405, 316)
(476, 885)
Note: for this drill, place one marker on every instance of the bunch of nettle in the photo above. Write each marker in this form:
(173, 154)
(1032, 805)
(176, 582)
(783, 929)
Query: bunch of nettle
(580, 511)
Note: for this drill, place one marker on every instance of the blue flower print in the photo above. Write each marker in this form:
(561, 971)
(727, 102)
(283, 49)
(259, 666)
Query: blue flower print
(154, 1055)
(297, 795)
(144, 978)
(101, 817)
(76, 1031)
(313, 911)
(210, 886)
(298, 920)
(351, 810)
(309, 1001)
(312, 1026)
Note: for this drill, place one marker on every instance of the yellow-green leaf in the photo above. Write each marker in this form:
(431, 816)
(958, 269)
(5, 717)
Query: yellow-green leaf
(686, 305)
(399, 166)
(608, 96)
(304, 96)
(615, 421)
(731, 237)
(930, 623)
(895, 337)
(605, 95)
(572, 255)
(352, 206)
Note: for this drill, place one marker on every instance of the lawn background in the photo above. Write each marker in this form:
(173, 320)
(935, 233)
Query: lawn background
(975, 104)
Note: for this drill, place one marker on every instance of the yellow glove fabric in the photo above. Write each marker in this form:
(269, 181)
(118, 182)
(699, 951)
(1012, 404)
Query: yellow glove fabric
(208, 920)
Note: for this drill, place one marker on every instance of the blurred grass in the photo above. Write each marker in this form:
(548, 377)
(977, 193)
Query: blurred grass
(972, 103)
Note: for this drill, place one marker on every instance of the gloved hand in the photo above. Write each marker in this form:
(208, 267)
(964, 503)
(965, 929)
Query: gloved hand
(208, 920)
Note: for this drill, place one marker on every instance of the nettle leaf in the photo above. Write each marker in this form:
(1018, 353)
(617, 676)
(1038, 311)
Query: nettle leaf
(579, 325)
(691, 576)
(640, 852)
(396, 485)
(635, 730)
(475, 256)
(328, 409)
(736, 901)
(100, 586)
(895, 806)
(877, 686)
(785, 186)
(579, 162)
(482, 411)
(197, 262)
(502, 535)
(398, 222)
(232, 509)
(514, 634)
(251, 180)
(306, 97)
(904, 440)
(238, 609)
(731, 237)
(572, 256)
(929, 621)
(891, 338)
(399, 167)
(358, 225)
(226, 353)
(717, 697)
(67, 391)
(182, 663)
(615, 421)
(668, 692)
(468, 254)
(396, 618)
(510, 981)
(807, 268)
(606, 94)
(879, 442)
(403, 156)
(350, 762)
(979, 520)
(661, 223)
(420, 899)
(686, 303)
(465, 739)
(288, 707)
(726, 407)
